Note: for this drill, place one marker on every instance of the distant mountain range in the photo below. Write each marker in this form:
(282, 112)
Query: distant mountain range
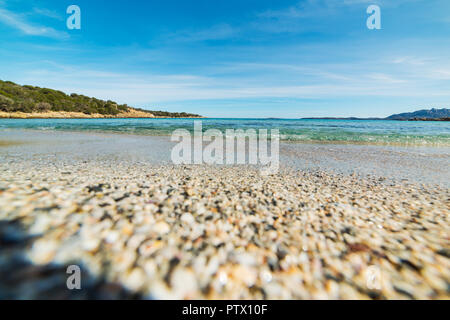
(421, 115)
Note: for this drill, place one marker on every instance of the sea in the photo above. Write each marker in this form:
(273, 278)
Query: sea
(383, 132)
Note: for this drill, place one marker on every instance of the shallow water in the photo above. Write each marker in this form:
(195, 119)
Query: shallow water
(421, 133)
(414, 163)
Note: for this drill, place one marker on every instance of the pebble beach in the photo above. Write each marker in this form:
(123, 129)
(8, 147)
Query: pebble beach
(152, 231)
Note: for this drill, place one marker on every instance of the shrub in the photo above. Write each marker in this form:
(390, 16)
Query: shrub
(15, 98)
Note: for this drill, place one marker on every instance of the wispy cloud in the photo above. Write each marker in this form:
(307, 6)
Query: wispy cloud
(293, 19)
(300, 10)
(18, 22)
(385, 78)
(337, 61)
(48, 13)
(312, 8)
(154, 89)
(414, 61)
(317, 8)
(216, 32)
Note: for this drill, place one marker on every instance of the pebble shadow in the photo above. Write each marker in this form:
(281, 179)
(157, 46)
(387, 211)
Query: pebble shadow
(22, 280)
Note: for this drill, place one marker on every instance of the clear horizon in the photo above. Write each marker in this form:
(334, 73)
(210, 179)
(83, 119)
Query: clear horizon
(254, 59)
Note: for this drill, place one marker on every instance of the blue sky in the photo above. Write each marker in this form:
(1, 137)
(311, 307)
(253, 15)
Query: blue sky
(235, 58)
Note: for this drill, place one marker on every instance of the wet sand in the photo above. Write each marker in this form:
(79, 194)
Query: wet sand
(394, 163)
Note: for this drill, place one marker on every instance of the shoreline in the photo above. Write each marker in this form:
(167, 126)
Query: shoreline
(168, 135)
(78, 115)
(427, 163)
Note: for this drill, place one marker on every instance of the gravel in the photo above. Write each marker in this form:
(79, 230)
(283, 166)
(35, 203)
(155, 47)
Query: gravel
(141, 230)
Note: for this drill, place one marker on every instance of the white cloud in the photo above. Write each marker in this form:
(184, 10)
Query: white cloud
(155, 89)
(439, 74)
(18, 22)
(414, 61)
(314, 8)
(48, 13)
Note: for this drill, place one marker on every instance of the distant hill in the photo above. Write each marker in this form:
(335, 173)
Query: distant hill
(422, 115)
(24, 100)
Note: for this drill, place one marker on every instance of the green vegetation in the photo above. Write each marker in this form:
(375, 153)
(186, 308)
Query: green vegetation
(165, 114)
(16, 98)
(27, 99)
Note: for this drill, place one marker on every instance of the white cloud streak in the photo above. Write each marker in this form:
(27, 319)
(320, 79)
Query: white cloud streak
(316, 83)
(19, 23)
(48, 13)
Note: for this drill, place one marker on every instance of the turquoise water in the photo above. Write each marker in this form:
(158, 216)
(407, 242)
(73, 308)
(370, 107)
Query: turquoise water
(342, 131)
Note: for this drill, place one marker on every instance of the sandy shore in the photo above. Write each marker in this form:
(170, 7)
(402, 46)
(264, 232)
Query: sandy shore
(142, 229)
(73, 115)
